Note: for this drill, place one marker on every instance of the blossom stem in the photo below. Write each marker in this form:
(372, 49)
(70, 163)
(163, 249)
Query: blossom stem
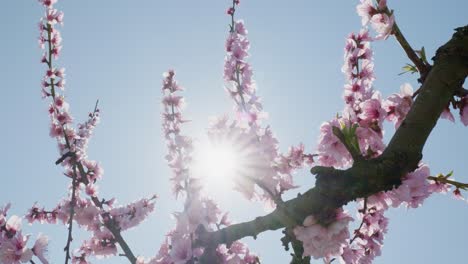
(442, 179)
(232, 15)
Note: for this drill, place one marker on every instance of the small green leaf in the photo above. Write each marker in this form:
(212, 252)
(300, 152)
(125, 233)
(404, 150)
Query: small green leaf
(409, 68)
(449, 175)
(422, 54)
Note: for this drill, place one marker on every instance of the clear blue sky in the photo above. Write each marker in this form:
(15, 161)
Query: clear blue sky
(117, 50)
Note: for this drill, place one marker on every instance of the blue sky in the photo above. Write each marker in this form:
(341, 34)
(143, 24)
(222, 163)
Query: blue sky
(116, 51)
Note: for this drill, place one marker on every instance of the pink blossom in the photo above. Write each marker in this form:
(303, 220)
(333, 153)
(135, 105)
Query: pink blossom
(14, 250)
(60, 73)
(95, 171)
(366, 10)
(398, 105)
(40, 248)
(181, 250)
(240, 28)
(101, 244)
(56, 39)
(370, 141)
(330, 149)
(323, 242)
(91, 189)
(61, 84)
(56, 51)
(175, 101)
(13, 224)
(54, 16)
(366, 73)
(64, 118)
(414, 189)
(48, 3)
(464, 110)
(86, 214)
(457, 194)
(352, 256)
(446, 114)
(372, 111)
(383, 24)
(438, 187)
(238, 253)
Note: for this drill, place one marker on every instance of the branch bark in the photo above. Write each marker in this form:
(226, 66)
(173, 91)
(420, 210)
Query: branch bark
(335, 188)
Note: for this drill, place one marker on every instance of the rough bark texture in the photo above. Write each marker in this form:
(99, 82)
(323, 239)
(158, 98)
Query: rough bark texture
(335, 188)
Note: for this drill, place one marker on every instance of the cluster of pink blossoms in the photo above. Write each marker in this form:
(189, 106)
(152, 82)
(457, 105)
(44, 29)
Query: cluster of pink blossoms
(268, 173)
(198, 210)
(364, 108)
(13, 244)
(378, 16)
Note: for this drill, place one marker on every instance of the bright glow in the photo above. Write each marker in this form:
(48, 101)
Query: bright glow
(215, 165)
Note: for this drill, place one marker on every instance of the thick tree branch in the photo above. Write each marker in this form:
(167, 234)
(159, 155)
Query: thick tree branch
(334, 188)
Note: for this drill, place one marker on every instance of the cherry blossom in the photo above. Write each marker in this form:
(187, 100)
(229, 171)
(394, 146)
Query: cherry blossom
(398, 105)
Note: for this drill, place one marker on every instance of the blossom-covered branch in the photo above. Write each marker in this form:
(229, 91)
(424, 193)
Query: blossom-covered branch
(335, 188)
(105, 223)
(199, 211)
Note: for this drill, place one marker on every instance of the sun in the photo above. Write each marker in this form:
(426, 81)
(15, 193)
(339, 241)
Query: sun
(216, 164)
(228, 161)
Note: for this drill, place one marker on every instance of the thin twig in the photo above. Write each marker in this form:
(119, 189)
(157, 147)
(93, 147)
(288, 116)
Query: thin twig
(72, 213)
(364, 209)
(442, 179)
(422, 67)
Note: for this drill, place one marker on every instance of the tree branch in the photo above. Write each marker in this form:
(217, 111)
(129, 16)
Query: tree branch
(422, 67)
(335, 188)
(420, 64)
(444, 179)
